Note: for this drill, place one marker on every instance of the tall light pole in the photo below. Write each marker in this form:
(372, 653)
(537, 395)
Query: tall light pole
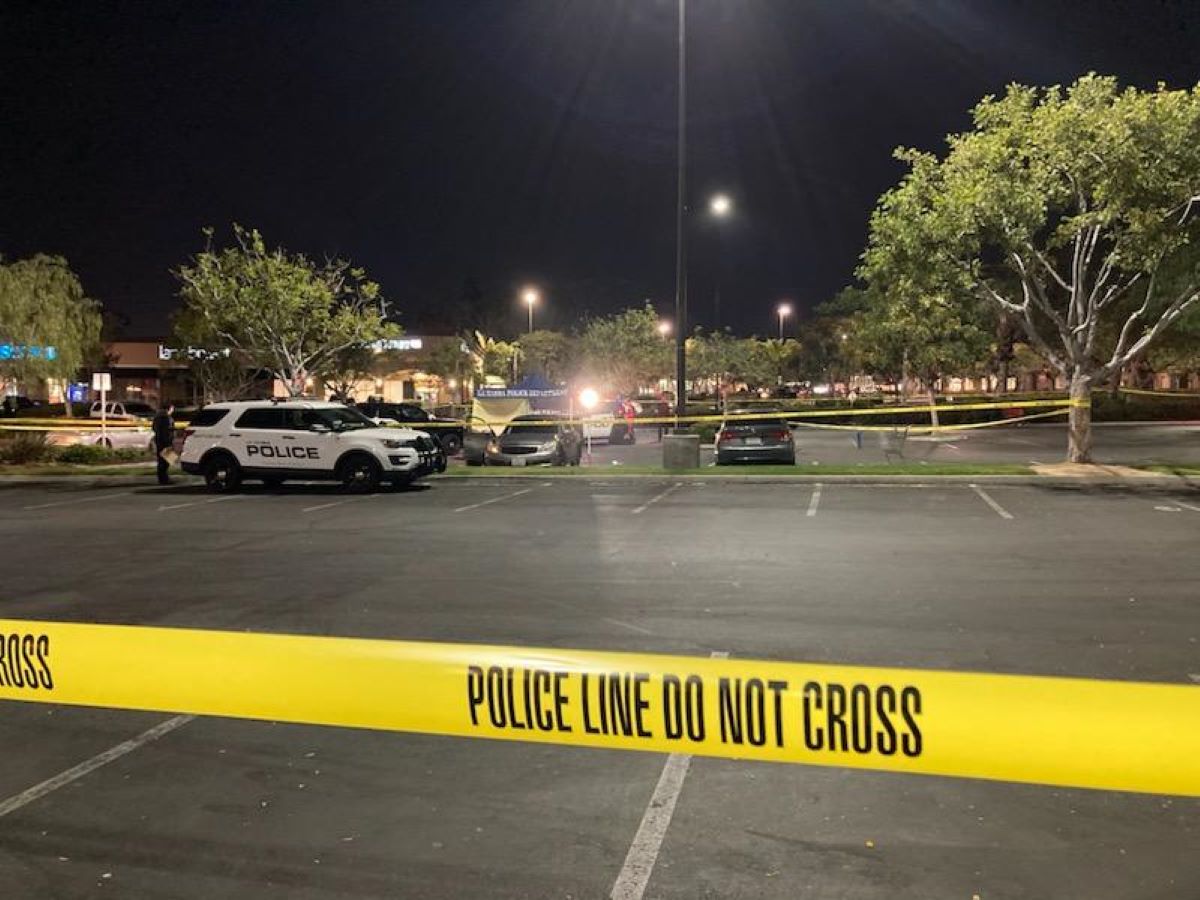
(784, 310)
(680, 235)
(530, 296)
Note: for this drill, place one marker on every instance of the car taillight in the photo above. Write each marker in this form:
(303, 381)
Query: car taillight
(726, 436)
(782, 435)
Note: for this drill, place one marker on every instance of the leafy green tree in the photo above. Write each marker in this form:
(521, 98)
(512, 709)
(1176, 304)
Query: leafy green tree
(1073, 210)
(218, 372)
(281, 311)
(450, 360)
(548, 353)
(344, 370)
(627, 350)
(491, 357)
(927, 335)
(50, 329)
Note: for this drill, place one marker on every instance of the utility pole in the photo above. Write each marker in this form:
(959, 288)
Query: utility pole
(681, 326)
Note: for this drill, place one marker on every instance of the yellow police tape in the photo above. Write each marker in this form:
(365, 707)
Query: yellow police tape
(1145, 393)
(1057, 731)
(934, 429)
(794, 415)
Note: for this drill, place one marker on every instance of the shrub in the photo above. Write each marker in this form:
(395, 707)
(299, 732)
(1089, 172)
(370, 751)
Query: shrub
(25, 447)
(84, 454)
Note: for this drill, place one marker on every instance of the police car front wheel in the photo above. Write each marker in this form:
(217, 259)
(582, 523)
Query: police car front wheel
(359, 472)
(222, 473)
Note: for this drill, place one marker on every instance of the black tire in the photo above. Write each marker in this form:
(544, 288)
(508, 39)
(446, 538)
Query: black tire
(359, 472)
(474, 462)
(222, 473)
(451, 443)
(272, 481)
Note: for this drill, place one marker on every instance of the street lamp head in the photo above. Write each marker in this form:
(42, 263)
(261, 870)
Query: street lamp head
(530, 296)
(720, 205)
(664, 328)
(589, 398)
(785, 309)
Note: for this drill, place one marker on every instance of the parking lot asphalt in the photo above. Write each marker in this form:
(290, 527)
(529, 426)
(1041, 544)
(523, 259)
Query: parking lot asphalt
(1097, 582)
(1126, 444)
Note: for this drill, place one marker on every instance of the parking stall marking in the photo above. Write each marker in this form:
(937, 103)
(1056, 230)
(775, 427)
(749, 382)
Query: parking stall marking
(1190, 506)
(987, 498)
(645, 506)
(200, 502)
(334, 503)
(493, 500)
(814, 502)
(76, 501)
(643, 852)
(62, 779)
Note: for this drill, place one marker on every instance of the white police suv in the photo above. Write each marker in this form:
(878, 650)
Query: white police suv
(302, 440)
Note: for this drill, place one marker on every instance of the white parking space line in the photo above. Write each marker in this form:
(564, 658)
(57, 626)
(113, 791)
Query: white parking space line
(814, 502)
(199, 502)
(1187, 506)
(987, 498)
(643, 852)
(1194, 677)
(334, 503)
(645, 506)
(638, 628)
(73, 502)
(62, 779)
(493, 500)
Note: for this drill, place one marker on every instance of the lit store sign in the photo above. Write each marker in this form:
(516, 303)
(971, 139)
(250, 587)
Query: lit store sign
(408, 343)
(166, 353)
(21, 351)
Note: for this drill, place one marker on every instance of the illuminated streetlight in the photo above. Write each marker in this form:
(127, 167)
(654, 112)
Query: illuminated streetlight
(720, 205)
(588, 398)
(530, 296)
(784, 310)
(664, 327)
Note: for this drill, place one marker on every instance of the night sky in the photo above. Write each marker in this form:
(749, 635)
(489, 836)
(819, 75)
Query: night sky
(511, 141)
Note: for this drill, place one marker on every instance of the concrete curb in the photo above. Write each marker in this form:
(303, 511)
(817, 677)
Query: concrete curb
(145, 480)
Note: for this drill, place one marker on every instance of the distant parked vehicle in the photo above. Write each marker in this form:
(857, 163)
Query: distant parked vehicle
(758, 437)
(449, 432)
(123, 410)
(536, 439)
(19, 406)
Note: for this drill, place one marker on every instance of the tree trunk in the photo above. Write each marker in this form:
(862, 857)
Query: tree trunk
(1079, 420)
(933, 411)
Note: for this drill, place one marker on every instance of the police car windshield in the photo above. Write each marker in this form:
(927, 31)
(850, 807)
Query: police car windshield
(343, 419)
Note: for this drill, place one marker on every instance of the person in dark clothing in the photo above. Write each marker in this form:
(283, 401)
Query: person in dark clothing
(164, 439)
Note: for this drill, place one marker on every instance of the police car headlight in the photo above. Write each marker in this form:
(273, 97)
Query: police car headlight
(394, 444)
(546, 447)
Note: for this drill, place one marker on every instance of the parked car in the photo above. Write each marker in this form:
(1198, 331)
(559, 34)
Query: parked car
(755, 435)
(537, 439)
(449, 432)
(123, 410)
(19, 406)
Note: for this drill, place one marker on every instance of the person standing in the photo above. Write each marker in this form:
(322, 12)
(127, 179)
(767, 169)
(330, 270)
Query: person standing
(164, 439)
